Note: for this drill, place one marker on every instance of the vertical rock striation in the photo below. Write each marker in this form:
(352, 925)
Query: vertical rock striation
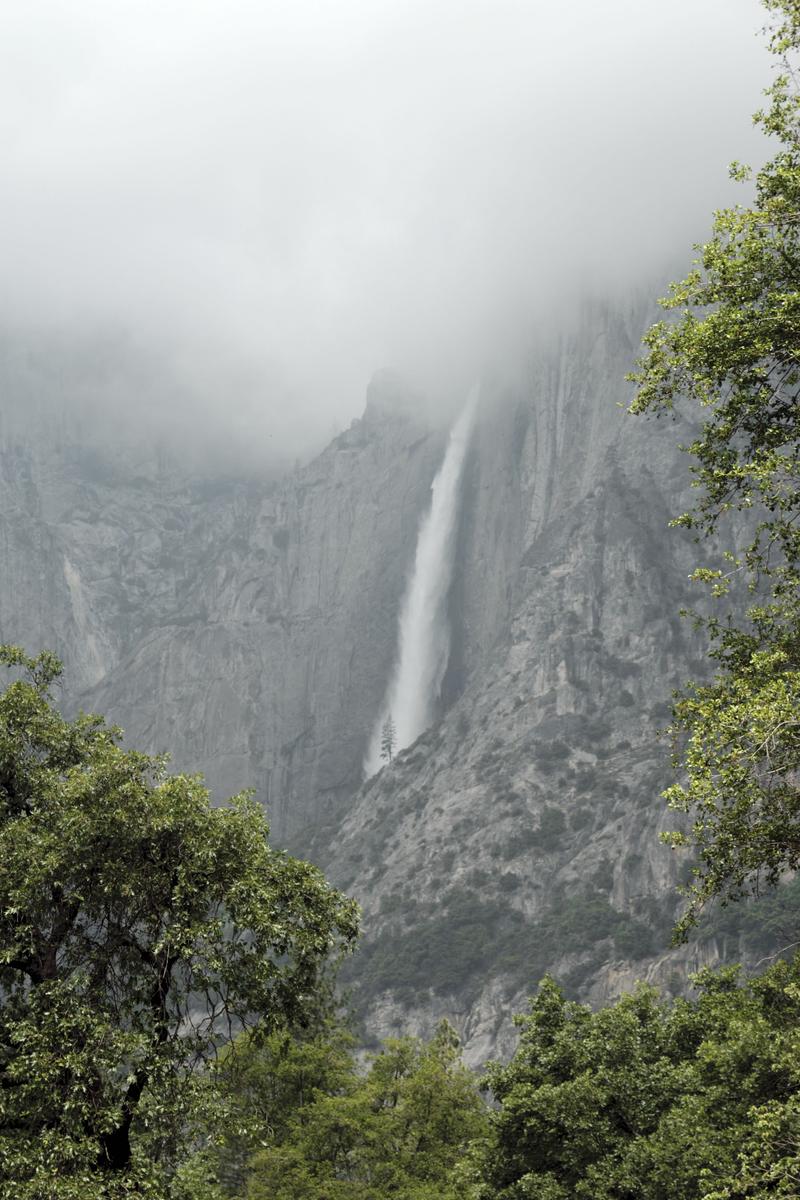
(249, 627)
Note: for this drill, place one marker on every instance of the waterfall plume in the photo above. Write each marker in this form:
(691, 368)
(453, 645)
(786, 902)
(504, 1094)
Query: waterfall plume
(423, 629)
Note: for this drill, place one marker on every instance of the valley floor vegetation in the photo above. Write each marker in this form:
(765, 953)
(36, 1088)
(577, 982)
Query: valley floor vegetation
(169, 1027)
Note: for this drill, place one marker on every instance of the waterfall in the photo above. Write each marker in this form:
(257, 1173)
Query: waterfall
(424, 630)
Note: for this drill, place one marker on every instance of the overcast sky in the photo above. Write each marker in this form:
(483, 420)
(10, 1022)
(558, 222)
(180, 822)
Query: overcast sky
(281, 196)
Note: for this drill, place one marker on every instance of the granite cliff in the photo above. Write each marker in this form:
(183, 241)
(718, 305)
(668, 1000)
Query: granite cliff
(245, 627)
(249, 627)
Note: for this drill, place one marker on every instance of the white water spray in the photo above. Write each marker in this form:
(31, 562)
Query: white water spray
(424, 631)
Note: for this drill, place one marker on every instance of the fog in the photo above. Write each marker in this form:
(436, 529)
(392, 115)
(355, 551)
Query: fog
(269, 201)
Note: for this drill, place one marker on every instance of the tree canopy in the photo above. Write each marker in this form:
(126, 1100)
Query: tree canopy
(650, 1100)
(139, 928)
(731, 351)
(300, 1119)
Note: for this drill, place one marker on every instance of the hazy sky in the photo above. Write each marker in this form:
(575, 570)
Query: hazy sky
(280, 196)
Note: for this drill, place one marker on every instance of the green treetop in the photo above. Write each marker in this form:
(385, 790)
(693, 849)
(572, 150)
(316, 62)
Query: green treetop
(649, 1100)
(139, 928)
(732, 349)
(318, 1126)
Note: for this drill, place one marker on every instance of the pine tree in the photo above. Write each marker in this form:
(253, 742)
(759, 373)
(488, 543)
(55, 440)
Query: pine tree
(388, 738)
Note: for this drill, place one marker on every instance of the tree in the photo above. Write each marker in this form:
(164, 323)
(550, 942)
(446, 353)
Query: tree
(323, 1129)
(686, 1100)
(388, 738)
(139, 928)
(254, 1092)
(733, 350)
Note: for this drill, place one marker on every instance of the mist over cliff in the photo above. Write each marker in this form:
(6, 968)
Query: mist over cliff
(250, 627)
(247, 562)
(238, 212)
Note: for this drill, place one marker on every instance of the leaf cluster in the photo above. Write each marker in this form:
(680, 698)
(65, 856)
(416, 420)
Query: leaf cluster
(311, 1124)
(139, 929)
(731, 351)
(680, 1101)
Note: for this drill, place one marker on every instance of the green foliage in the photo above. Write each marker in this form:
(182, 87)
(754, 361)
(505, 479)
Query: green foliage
(552, 827)
(741, 752)
(469, 939)
(138, 927)
(733, 349)
(649, 1100)
(254, 1092)
(302, 1122)
(580, 818)
(549, 755)
(762, 929)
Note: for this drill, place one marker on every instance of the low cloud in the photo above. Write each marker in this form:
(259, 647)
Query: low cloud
(274, 200)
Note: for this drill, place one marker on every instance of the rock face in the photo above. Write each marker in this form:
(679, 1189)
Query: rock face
(520, 834)
(246, 628)
(250, 628)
